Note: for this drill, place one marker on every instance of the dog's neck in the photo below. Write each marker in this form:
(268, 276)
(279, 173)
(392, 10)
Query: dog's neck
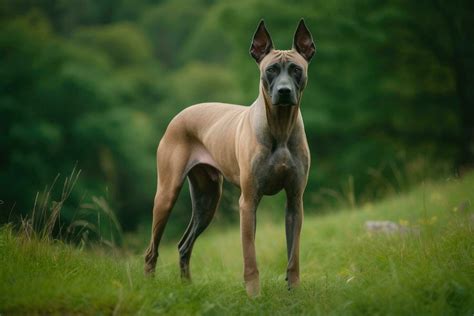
(279, 120)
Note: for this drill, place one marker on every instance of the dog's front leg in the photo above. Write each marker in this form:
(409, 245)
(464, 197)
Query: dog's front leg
(248, 207)
(293, 223)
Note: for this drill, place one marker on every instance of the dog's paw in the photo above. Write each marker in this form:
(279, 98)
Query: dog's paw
(253, 288)
(293, 283)
(149, 270)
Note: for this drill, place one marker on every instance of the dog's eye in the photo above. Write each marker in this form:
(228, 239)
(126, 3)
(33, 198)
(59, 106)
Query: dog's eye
(297, 71)
(271, 70)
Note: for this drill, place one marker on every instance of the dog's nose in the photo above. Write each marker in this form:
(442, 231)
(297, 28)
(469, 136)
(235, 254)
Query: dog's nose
(284, 90)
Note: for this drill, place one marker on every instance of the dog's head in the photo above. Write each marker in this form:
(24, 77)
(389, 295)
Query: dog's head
(283, 72)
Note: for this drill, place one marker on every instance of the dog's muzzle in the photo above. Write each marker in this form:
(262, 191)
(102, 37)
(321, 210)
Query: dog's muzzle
(284, 96)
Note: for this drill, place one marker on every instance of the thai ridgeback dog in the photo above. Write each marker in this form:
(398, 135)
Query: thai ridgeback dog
(262, 149)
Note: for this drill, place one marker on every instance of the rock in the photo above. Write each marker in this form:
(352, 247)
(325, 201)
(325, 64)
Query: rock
(386, 227)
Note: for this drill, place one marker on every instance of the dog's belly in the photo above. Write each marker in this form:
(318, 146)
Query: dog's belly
(201, 155)
(273, 170)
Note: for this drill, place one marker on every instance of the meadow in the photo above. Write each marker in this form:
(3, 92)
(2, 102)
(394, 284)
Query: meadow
(388, 113)
(425, 267)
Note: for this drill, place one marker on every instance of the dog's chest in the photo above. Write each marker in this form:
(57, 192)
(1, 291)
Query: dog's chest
(273, 169)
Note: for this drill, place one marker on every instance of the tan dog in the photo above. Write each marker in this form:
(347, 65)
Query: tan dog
(261, 148)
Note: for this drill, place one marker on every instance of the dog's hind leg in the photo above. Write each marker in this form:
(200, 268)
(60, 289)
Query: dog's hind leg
(172, 166)
(205, 183)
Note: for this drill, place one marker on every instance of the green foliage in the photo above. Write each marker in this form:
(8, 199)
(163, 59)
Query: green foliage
(124, 44)
(388, 103)
(62, 103)
(192, 84)
(425, 270)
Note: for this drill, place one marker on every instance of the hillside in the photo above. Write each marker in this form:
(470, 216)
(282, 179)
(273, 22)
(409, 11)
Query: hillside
(424, 267)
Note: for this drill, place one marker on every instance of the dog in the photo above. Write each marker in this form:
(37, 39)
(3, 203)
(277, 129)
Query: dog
(261, 148)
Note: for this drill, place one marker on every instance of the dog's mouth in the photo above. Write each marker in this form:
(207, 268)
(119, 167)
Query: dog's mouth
(285, 101)
(284, 104)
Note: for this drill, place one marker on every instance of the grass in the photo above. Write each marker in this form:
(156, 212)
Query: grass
(428, 269)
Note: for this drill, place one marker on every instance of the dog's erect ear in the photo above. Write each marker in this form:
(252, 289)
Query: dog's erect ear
(261, 43)
(303, 41)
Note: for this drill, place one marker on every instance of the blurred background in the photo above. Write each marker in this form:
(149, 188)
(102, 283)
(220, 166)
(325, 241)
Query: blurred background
(92, 85)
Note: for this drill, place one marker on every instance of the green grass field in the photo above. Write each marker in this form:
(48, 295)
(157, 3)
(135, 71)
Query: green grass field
(427, 269)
